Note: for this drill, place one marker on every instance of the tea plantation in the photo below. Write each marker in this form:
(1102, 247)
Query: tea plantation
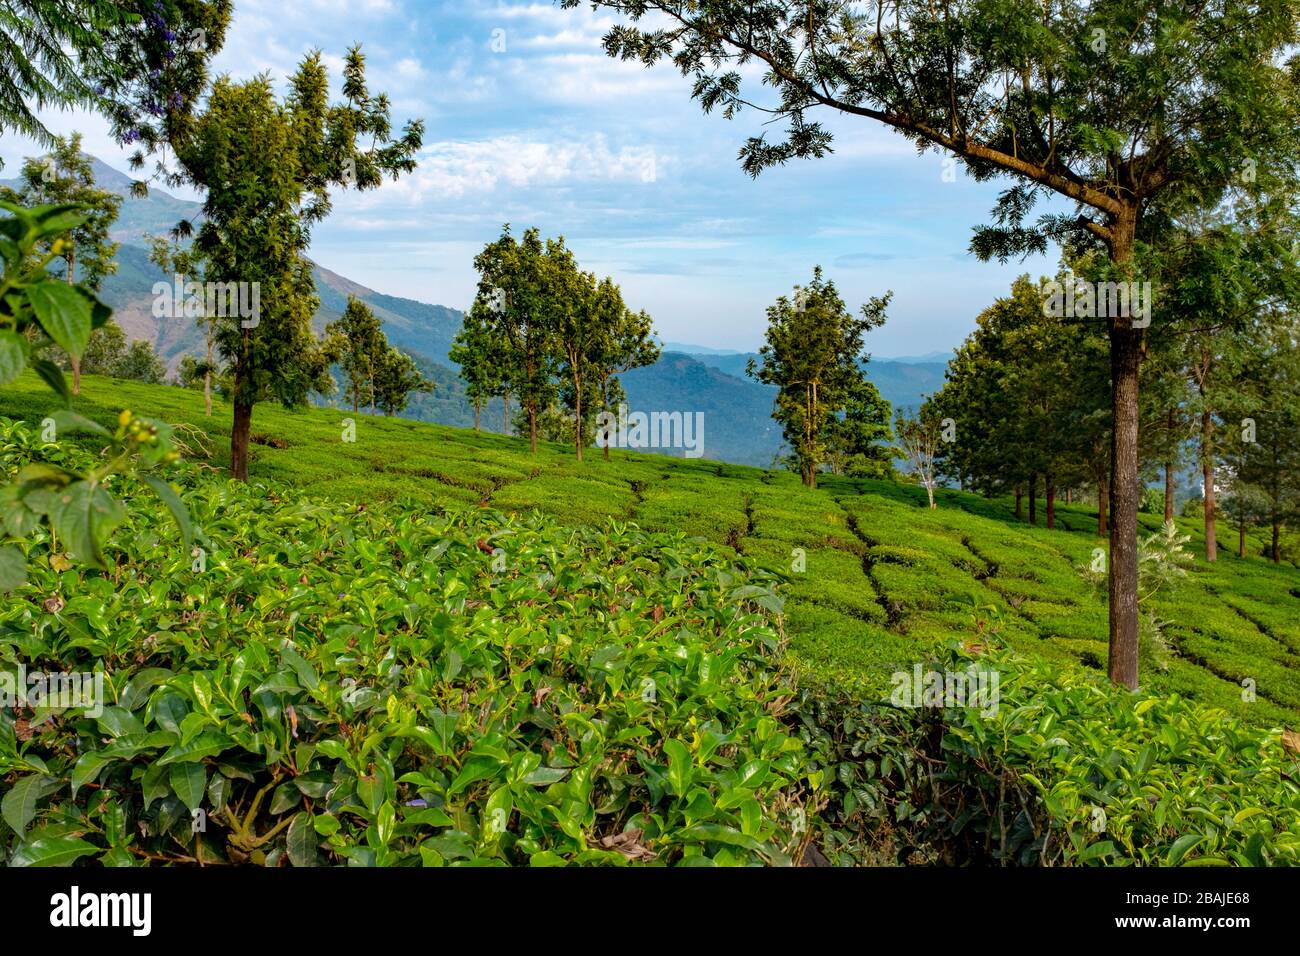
(426, 646)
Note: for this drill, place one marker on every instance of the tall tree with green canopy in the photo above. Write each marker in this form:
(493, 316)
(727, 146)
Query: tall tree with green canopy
(358, 339)
(857, 442)
(65, 176)
(597, 337)
(396, 378)
(476, 353)
(267, 167)
(626, 342)
(186, 263)
(577, 327)
(1108, 104)
(1265, 420)
(1024, 393)
(523, 311)
(1222, 272)
(813, 348)
(105, 350)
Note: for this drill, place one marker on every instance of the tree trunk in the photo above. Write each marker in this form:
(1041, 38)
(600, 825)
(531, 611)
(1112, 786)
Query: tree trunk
(207, 378)
(239, 432)
(1033, 498)
(532, 428)
(505, 405)
(478, 410)
(1169, 491)
(1241, 537)
(70, 261)
(1277, 539)
(604, 405)
(1103, 495)
(1125, 364)
(1207, 476)
(577, 414)
(1169, 471)
(1020, 509)
(1051, 502)
(1069, 496)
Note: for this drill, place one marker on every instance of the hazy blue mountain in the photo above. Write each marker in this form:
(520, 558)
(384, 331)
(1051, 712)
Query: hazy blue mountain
(695, 349)
(738, 425)
(903, 384)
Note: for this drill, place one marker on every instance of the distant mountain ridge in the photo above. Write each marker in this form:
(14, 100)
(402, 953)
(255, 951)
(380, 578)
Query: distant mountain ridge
(737, 409)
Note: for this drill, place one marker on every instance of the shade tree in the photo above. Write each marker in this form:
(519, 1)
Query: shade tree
(266, 166)
(813, 353)
(1110, 105)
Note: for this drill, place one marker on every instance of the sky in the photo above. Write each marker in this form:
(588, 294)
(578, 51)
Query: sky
(528, 121)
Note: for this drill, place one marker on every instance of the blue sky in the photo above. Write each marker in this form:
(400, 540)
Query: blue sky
(528, 121)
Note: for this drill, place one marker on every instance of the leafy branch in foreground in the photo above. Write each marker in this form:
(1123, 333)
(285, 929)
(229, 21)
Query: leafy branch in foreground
(38, 312)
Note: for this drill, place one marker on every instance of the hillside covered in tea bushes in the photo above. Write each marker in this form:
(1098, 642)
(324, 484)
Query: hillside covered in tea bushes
(427, 646)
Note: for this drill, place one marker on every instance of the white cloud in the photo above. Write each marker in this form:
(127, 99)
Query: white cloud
(409, 68)
(457, 168)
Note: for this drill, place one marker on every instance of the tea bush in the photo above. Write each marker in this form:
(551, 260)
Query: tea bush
(1068, 771)
(385, 686)
(844, 626)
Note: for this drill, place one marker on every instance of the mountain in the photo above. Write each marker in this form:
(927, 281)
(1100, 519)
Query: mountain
(688, 378)
(695, 349)
(940, 356)
(904, 384)
(738, 425)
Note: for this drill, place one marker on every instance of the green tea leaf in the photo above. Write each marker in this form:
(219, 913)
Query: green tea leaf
(301, 840)
(52, 851)
(180, 514)
(64, 314)
(13, 356)
(188, 781)
(19, 804)
(13, 566)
